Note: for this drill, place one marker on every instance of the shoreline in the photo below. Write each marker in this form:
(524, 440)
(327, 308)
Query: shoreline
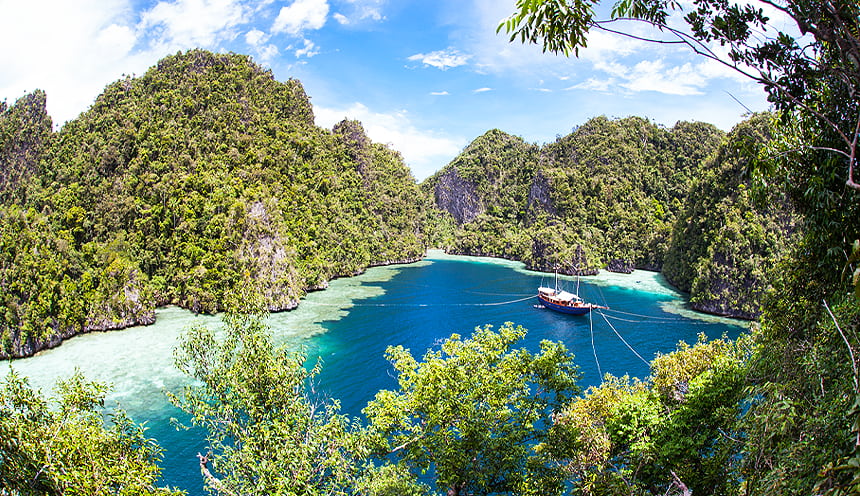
(638, 280)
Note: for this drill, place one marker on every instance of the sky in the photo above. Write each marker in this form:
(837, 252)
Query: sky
(425, 77)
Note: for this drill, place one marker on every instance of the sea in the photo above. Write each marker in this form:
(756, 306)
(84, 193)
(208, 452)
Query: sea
(349, 325)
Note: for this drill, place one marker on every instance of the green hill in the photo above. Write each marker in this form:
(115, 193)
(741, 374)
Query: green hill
(616, 195)
(203, 183)
(726, 240)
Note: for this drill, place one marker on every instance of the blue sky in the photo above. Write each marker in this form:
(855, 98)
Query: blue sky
(425, 76)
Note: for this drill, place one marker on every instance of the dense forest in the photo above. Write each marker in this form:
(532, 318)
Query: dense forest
(767, 214)
(199, 181)
(623, 194)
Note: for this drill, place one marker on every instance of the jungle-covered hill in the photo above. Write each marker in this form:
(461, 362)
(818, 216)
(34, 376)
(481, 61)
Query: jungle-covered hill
(620, 194)
(202, 180)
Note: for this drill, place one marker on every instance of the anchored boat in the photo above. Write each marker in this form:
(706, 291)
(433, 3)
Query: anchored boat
(564, 301)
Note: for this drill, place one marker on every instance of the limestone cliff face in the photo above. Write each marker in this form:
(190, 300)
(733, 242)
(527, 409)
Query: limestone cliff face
(540, 198)
(268, 259)
(458, 197)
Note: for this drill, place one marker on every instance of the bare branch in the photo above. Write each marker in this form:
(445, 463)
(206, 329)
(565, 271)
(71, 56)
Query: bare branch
(759, 76)
(211, 479)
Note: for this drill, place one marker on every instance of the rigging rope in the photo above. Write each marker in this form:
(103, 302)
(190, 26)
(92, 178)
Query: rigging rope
(680, 320)
(623, 340)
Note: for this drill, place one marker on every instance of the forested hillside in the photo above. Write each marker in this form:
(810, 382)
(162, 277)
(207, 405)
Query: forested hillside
(728, 236)
(616, 194)
(201, 181)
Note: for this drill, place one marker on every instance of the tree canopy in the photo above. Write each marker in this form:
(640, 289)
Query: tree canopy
(267, 431)
(66, 446)
(474, 411)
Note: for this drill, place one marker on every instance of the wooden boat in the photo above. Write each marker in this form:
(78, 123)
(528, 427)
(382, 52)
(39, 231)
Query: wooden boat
(563, 301)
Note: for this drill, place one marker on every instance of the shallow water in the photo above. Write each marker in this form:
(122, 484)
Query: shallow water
(350, 324)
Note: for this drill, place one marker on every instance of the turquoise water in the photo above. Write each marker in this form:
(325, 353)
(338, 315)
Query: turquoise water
(350, 324)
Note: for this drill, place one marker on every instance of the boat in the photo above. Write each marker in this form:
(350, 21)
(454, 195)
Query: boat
(564, 301)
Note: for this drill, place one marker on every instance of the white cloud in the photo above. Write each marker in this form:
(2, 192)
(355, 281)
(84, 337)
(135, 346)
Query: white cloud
(117, 39)
(482, 90)
(439, 93)
(255, 37)
(259, 42)
(193, 23)
(653, 75)
(69, 49)
(441, 59)
(362, 10)
(309, 49)
(424, 151)
(301, 15)
(593, 84)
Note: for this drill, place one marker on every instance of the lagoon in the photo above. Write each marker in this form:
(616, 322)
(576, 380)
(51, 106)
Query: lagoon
(349, 325)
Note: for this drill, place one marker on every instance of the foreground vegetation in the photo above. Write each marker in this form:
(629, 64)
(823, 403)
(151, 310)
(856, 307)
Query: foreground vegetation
(479, 414)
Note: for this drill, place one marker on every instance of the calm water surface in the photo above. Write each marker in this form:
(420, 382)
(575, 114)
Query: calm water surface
(350, 325)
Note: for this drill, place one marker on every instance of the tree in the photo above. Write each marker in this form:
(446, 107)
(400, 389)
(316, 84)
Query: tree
(68, 449)
(672, 433)
(267, 432)
(474, 411)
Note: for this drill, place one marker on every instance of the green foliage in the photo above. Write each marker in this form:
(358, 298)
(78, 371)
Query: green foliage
(199, 181)
(267, 432)
(608, 194)
(390, 480)
(474, 410)
(679, 430)
(67, 448)
(25, 135)
(800, 426)
(561, 25)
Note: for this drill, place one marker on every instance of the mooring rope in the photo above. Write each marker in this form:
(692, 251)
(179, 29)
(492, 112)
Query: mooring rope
(667, 320)
(648, 317)
(623, 340)
(593, 349)
(418, 305)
